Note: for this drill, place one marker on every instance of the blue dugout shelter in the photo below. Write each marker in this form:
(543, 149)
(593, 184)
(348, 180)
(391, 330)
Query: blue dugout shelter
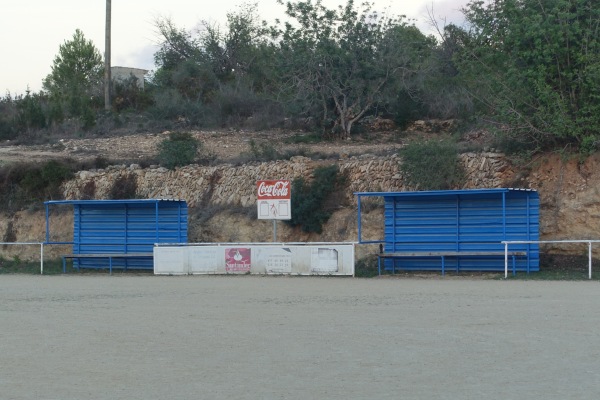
(463, 228)
(121, 233)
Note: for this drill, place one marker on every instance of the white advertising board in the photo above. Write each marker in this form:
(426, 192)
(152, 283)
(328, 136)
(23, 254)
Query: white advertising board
(253, 258)
(274, 199)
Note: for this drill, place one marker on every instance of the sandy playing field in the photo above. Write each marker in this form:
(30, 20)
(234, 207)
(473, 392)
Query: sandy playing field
(245, 337)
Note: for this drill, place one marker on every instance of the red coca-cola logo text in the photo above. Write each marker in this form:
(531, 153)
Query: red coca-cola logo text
(274, 189)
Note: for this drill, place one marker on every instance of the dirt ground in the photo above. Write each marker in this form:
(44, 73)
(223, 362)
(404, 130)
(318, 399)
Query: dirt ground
(224, 145)
(146, 337)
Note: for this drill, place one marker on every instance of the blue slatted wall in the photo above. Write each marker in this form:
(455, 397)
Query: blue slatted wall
(466, 220)
(126, 227)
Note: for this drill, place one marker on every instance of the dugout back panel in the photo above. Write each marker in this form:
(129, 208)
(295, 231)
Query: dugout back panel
(125, 226)
(475, 220)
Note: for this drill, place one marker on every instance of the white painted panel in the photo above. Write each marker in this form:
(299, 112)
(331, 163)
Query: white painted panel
(204, 259)
(254, 258)
(170, 261)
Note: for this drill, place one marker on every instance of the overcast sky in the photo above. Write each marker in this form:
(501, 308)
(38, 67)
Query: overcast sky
(32, 30)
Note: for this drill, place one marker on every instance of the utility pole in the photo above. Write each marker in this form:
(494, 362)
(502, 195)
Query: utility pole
(107, 77)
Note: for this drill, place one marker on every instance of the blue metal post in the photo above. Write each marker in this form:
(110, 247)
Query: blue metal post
(503, 215)
(457, 247)
(77, 245)
(179, 240)
(359, 221)
(444, 266)
(394, 211)
(47, 223)
(157, 222)
(126, 230)
(529, 234)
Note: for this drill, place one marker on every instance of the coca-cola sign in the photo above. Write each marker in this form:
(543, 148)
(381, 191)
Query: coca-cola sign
(273, 190)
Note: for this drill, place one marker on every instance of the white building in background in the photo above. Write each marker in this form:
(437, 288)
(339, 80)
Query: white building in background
(124, 73)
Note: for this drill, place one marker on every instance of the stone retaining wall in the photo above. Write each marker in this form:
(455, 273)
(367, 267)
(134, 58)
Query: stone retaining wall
(235, 185)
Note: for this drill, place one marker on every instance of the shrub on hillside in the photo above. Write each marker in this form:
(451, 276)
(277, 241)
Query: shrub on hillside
(264, 151)
(170, 107)
(8, 118)
(23, 185)
(44, 182)
(311, 206)
(178, 149)
(432, 165)
(8, 129)
(128, 95)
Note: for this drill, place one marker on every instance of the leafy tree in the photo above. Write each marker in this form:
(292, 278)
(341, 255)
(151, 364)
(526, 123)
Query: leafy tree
(236, 52)
(179, 61)
(199, 64)
(340, 63)
(177, 45)
(219, 74)
(444, 93)
(534, 66)
(76, 78)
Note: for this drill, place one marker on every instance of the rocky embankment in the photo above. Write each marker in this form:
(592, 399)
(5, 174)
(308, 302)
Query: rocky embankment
(222, 198)
(235, 186)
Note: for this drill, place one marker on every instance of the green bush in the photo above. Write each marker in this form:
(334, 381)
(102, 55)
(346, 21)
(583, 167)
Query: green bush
(432, 165)
(512, 144)
(44, 182)
(406, 109)
(8, 118)
(236, 104)
(308, 138)
(8, 129)
(128, 95)
(169, 105)
(264, 151)
(589, 145)
(30, 113)
(310, 201)
(178, 149)
(22, 184)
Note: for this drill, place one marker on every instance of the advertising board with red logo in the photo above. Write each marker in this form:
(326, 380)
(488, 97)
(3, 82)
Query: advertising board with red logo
(238, 259)
(273, 199)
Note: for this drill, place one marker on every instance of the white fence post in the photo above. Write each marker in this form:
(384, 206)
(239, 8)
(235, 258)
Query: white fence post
(29, 244)
(590, 259)
(505, 260)
(589, 242)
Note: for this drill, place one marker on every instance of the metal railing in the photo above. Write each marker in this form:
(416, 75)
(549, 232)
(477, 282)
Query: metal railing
(41, 244)
(509, 242)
